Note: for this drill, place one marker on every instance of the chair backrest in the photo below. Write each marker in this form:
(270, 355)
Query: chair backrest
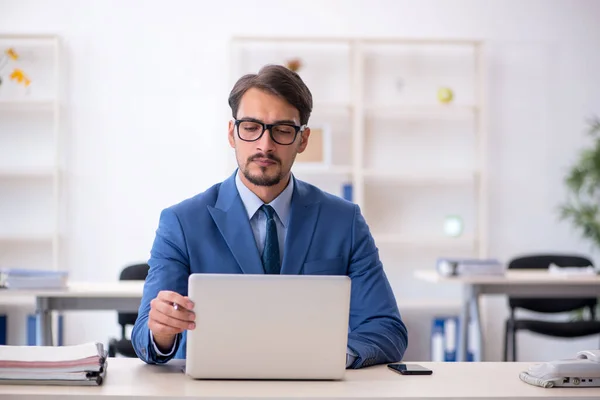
(550, 305)
(137, 272)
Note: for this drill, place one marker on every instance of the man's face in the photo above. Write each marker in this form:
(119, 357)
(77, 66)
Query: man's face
(264, 162)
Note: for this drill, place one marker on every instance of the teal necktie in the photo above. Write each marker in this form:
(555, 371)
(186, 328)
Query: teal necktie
(270, 255)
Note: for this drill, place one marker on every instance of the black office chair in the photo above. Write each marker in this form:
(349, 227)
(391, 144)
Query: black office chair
(569, 329)
(123, 346)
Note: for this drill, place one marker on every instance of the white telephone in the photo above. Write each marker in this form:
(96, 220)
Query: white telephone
(582, 371)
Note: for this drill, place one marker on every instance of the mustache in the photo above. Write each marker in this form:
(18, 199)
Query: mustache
(268, 156)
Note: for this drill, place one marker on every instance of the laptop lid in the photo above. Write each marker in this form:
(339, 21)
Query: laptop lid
(268, 326)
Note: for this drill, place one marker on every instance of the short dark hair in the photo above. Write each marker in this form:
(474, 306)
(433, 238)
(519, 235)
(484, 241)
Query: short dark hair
(279, 81)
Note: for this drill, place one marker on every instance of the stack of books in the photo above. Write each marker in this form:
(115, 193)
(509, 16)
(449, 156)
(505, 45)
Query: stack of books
(79, 365)
(32, 279)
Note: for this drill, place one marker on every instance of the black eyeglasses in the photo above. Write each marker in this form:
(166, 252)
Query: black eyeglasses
(251, 131)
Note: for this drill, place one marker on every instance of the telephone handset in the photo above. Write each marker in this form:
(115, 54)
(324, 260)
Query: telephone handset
(581, 371)
(592, 355)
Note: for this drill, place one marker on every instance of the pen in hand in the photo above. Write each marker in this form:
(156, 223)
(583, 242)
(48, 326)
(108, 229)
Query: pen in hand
(170, 314)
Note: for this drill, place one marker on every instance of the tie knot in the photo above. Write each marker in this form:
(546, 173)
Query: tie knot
(268, 210)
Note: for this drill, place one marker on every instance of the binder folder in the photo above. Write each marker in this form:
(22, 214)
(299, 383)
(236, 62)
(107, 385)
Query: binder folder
(445, 337)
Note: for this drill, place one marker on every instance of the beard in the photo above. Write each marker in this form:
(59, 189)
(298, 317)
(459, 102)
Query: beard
(263, 179)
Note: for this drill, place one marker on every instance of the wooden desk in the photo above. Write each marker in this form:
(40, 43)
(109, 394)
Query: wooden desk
(521, 283)
(135, 380)
(120, 296)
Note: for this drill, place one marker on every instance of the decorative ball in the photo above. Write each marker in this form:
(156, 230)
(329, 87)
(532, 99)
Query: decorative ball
(445, 95)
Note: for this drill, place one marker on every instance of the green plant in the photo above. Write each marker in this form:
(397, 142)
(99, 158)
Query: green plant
(582, 208)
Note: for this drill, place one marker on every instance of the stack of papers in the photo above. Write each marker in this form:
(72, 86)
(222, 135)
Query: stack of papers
(556, 270)
(32, 279)
(53, 365)
(465, 267)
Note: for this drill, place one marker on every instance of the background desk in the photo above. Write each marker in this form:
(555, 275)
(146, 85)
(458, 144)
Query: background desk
(119, 296)
(132, 379)
(522, 283)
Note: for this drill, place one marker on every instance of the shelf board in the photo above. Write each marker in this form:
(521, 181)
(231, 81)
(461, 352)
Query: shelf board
(26, 104)
(331, 108)
(465, 242)
(445, 178)
(27, 172)
(26, 238)
(306, 169)
(403, 111)
(29, 40)
(367, 41)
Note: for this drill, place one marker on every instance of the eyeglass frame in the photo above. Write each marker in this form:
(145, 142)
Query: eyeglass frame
(297, 129)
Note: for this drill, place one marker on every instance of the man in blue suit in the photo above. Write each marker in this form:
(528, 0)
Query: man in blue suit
(263, 220)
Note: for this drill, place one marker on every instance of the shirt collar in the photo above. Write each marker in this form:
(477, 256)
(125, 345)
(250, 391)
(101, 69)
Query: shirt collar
(281, 204)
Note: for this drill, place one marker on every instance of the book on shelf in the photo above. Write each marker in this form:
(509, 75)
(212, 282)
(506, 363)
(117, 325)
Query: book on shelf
(3, 329)
(347, 191)
(16, 278)
(469, 266)
(78, 365)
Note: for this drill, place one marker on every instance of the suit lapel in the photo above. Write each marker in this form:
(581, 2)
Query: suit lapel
(303, 220)
(232, 221)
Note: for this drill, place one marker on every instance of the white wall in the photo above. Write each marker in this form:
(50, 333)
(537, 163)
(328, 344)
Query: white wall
(147, 112)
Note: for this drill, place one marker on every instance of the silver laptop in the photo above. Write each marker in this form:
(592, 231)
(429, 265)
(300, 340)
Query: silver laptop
(268, 327)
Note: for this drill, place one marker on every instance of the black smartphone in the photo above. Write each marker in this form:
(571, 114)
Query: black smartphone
(410, 369)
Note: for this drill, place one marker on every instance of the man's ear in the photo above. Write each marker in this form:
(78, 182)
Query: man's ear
(230, 135)
(303, 140)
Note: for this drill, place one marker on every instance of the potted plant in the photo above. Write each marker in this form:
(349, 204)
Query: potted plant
(582, 207)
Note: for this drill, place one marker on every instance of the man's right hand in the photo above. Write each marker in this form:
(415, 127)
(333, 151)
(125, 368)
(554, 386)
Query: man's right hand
(170, 314)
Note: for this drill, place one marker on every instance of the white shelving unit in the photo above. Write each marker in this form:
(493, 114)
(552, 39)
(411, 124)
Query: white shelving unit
(412, 160)
(30, 153)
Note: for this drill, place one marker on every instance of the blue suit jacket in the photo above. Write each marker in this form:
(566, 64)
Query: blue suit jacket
(211, 233)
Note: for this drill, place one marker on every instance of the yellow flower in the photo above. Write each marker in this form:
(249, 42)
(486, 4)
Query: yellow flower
(19, 76)
(12, 54)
